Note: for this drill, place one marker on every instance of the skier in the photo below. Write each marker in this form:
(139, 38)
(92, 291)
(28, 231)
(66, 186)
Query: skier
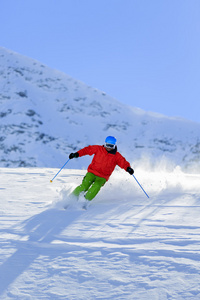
(105, 159)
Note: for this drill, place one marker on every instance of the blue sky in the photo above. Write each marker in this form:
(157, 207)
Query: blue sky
(145, 53)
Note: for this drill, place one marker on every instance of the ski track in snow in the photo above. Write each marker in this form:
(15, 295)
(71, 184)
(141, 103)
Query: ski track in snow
(124, 246)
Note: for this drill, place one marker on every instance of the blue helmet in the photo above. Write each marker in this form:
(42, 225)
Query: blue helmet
(110, 142)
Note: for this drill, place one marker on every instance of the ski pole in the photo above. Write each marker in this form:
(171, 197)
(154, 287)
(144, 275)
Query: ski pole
(60, 170)
(141, 186)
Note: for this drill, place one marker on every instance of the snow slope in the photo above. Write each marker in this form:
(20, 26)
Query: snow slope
(45, 114)
(124, 246)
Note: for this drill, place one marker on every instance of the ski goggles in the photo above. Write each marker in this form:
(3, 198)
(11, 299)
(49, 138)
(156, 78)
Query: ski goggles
(110, 146)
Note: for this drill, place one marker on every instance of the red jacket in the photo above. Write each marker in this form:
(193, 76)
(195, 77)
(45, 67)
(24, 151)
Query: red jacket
(104, 162)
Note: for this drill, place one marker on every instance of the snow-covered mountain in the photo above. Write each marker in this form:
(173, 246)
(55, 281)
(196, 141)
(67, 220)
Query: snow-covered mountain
(124, 246)
(45, 114)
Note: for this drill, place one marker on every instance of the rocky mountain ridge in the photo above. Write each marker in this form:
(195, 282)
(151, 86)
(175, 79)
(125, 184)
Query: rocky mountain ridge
(45, 114)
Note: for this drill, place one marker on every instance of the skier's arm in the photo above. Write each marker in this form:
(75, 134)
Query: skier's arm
(124, 164)
(90, 150)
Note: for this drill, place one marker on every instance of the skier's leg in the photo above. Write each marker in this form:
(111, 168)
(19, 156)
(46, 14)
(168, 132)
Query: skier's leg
(95, 188)
(84, 186)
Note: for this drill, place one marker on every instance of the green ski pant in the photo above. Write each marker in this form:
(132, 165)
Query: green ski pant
(92, 184)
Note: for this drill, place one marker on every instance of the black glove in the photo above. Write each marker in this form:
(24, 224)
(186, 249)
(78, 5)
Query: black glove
(72, 155)
(130, 170)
